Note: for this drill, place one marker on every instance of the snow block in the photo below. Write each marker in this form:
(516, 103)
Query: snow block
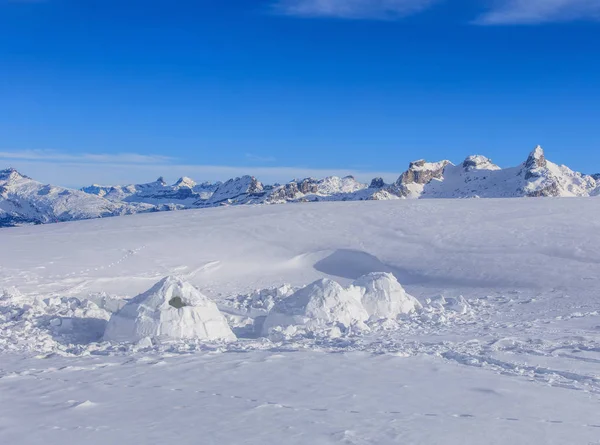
(318, 306)
(384, 297)
(171, 309)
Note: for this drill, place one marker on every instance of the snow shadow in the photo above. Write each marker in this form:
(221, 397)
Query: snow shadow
(74, 330)
(352, 264)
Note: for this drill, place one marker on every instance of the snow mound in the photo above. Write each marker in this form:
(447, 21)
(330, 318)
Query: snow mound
(171, 309)
(53, 324)
(384, 297)
(259, 302)
(321, 308)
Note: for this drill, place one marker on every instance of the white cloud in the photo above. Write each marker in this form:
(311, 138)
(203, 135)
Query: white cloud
(55, 156)
(508, 12)
(353, 9)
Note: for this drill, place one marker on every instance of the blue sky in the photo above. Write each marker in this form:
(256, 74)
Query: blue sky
(125, 90)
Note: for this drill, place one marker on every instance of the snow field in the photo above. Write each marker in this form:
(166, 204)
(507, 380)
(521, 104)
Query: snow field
(505, 347)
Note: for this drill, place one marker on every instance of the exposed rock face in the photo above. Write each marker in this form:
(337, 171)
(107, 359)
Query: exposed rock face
(552, 189)
(545, 179)
(377, 183)
(308, 185)
(536, 159)
(295, 190)
(242, 190)
(534, 163)
(479, 162)
(385, 194)
(421, 172)
(332, 188)
(287, 192)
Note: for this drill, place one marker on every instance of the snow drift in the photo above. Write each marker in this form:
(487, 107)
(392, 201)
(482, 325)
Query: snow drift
(322, 307)
(171, 309)
(326, 308)
(384, 297)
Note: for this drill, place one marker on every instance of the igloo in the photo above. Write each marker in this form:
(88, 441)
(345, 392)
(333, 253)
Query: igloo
(383, 296)
(315, 307)
(171, 309)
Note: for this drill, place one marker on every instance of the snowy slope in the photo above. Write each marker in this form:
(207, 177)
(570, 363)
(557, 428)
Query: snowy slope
(503, 346)
(23, 200)
(244, 190)
(478, 177)
(514, 361)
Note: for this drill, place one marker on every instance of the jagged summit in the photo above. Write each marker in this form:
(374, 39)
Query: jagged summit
(536, 159)
(11, 174)
(478, 162)
(244, 190)
(421, 172)
(377, 183)
(184, 181)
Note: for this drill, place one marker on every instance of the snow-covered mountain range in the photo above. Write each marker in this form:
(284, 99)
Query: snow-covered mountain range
(23, 200)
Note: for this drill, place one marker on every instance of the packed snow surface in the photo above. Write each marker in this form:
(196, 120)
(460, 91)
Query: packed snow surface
(398, 322)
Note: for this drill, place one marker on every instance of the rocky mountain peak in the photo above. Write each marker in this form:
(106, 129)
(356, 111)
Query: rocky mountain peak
(377, 183)
(186, 182)
(421, 172)
(254, 185)
(238, 190)
(536, 159)
(10, 174)
(534, 162)
(478, 162)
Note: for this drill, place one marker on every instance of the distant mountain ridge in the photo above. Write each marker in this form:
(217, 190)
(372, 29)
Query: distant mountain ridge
(25, 201)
